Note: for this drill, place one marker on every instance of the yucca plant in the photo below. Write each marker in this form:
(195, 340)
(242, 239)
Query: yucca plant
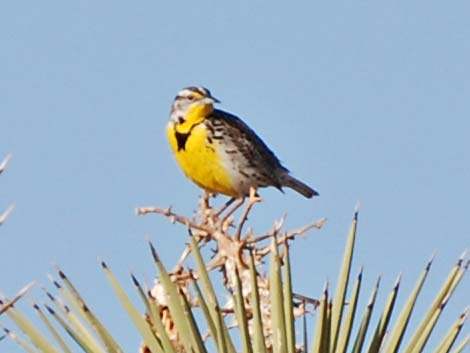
(187, 309)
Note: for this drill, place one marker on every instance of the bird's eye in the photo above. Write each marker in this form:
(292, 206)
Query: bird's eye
(181, 120)
(191, 97)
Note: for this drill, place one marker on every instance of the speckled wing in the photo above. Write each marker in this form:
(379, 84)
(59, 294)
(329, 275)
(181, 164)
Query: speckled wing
(257, 159)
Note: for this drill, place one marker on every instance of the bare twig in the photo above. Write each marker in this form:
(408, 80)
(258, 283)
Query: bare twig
(187, 250)
(277, 227)
(301, 231)
(141, 211)
(213, 227)
(183, 257)
(291, 235)
(304, 299)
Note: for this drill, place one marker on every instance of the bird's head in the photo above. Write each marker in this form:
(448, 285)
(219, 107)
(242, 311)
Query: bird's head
(192, 105)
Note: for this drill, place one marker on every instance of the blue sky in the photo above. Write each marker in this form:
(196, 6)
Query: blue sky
(365, 101)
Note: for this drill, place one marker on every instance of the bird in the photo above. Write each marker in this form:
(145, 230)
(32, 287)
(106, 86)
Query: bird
(219, 152)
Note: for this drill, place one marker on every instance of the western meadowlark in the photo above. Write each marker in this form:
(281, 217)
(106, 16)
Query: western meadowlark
(219, 152)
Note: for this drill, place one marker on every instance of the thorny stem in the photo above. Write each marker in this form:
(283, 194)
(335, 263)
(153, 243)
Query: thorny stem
(225, 241)
(308, 300)
(250, 240)
(187, 249)
(211, 227)
(141, 211)
(291, 235)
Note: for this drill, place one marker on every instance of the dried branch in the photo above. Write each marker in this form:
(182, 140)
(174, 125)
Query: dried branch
(187, 250)
(213, 227)
(301, 231)
(290, 236)
(141, 211)
(251, 240)
(307, 300)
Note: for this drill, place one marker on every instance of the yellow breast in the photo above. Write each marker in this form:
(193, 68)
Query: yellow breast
(200, 159)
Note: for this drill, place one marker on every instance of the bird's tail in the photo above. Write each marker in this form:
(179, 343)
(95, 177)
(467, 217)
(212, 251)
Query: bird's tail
(293, 183)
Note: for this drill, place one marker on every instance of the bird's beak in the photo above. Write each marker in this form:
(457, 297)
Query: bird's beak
(209, 100)
(215, 100)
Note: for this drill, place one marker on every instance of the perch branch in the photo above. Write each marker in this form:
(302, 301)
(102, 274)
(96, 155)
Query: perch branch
(291, 235)
(141, 211)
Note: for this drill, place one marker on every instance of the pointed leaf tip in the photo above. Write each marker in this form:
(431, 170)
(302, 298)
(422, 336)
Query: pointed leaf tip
(154, 252)
(50, 296)
(361, 273)
(135, 281)
(462, 257)
(26, 288)
(464, 314)
(431, 260)
(443, 304)
(50, 310)
(397, 282)
(356, 210)
(325, 287)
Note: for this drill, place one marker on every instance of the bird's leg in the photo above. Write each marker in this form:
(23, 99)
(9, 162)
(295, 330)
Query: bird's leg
(254, 198)
(205, 200)
(225, 206)
(238, 204)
